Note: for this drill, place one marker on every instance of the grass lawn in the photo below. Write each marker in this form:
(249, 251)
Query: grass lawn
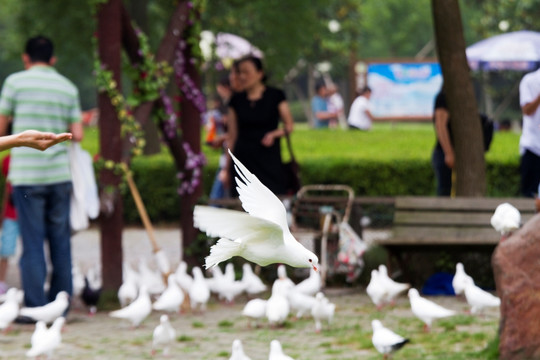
(385, 142)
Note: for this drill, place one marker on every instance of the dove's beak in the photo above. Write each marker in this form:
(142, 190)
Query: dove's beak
(315, 268)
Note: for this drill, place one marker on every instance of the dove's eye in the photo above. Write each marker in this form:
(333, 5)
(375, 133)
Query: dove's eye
(310, 260)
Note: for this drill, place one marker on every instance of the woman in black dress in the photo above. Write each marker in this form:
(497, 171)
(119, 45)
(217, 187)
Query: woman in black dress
(253, 126)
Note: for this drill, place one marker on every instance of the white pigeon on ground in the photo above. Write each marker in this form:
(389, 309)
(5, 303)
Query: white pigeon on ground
(127, 292)
(163, 336)
(460, 279)
(255, 309)
(46, 341)
(393, 288)
(49, 312)
(426, 310)
(229, 288)
(375, 290)
(39, 330)
(282, 280)
(478, 298)
(506, 219)
(277, 306)
(300, 302)
(215, 282)
(253, 283)
(322, 310)
(276, 352)
(261, 235)
(182, 277)
(311, 285)
(152, 280)
(199, 294)
(170, 299)
(385, 340)
(78, 280)
(137, 311)
(9, 309)
(238, 351)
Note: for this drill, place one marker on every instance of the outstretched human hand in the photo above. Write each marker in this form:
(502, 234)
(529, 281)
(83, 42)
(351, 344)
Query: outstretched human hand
(40, 140)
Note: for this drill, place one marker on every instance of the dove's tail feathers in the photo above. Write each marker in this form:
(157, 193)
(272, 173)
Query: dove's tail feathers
(399, 345)
(223, 250)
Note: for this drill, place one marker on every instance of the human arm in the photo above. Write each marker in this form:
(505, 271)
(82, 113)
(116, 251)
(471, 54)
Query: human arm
(76, 129)
(288, 125)
(441, 129)
(33, 139)
(531, 107)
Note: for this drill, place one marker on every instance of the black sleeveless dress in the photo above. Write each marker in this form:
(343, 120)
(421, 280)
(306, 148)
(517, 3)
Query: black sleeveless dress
(255, 119)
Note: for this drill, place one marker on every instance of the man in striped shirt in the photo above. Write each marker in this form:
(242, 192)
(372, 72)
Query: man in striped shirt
(40, 98)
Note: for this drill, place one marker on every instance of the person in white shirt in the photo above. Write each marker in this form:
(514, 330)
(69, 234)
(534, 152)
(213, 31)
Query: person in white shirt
(529, 142)
(360, 114)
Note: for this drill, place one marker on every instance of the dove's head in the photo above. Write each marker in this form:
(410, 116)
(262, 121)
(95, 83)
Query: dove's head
(237, 347)
(376, 325)
(459, 267)
(163, 319)
(413, 293)
(383, 270)
(275, 347)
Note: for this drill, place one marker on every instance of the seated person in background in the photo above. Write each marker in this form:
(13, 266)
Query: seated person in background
(360, 117)
(319, 107)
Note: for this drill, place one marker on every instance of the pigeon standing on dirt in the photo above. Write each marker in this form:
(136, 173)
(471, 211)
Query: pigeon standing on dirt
(9, 309)
(238, 351)
(322, 310)
(182, 277)
(163, 336)
(478, 298)
(426, 310)
(385, 340)
(460, 279)
(375, 290)
(49, 312)
(253, 283)
(311, 285)
(255, 309)
(171, 299)
(276, 352)
(46, 341)
(392, 288)
(261, 235)
(199, 294)
(92, 290)
(137, 311)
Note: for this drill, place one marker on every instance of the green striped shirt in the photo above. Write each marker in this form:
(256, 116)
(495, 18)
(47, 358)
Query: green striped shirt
(41, 99)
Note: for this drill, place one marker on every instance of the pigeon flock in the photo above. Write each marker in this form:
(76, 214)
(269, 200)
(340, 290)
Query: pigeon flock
(260, 235)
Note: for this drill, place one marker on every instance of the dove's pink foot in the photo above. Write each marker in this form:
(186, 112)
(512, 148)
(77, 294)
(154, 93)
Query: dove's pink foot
(426, 328)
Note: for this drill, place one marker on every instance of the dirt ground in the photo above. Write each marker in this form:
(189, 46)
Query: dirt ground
(210, 335)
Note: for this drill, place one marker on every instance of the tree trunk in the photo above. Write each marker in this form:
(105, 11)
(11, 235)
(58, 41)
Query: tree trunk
(111, 221)
(465, 124)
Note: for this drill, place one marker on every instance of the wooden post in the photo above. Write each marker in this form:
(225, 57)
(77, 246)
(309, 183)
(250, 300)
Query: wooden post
(111, 224)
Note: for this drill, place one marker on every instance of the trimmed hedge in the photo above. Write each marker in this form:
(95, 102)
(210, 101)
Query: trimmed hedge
(157, 182)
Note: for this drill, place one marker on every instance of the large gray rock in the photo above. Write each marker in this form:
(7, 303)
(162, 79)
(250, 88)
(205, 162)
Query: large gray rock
(516, 266)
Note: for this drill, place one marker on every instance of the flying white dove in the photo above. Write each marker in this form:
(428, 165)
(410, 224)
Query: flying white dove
(253, 283)
(322, 310)
(393, 288)
(478, 298)
(182, 277)
(276, 352)
(163, 336)
(171, 299)
(459, 280)
(238, 351)
(50, 312)
(255, 309)
(311, 285)
(199, 294)
(9, 309)
(426, 310)
(44, 342)
(261, 235)
(385, 340)
(137, 311)
(506, 219)
(376, 290)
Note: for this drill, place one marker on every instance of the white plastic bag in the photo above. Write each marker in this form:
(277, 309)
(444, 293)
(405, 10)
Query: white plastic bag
(84, 196)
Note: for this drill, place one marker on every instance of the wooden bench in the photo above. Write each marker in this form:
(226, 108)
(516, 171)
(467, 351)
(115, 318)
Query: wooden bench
(435, 223)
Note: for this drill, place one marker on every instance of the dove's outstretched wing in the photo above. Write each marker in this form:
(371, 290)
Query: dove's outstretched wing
(256, 198)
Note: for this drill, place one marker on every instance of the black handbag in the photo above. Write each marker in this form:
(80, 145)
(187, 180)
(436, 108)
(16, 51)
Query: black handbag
(291, 170)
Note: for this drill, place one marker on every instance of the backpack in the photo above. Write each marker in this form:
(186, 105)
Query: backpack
(487, 130)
